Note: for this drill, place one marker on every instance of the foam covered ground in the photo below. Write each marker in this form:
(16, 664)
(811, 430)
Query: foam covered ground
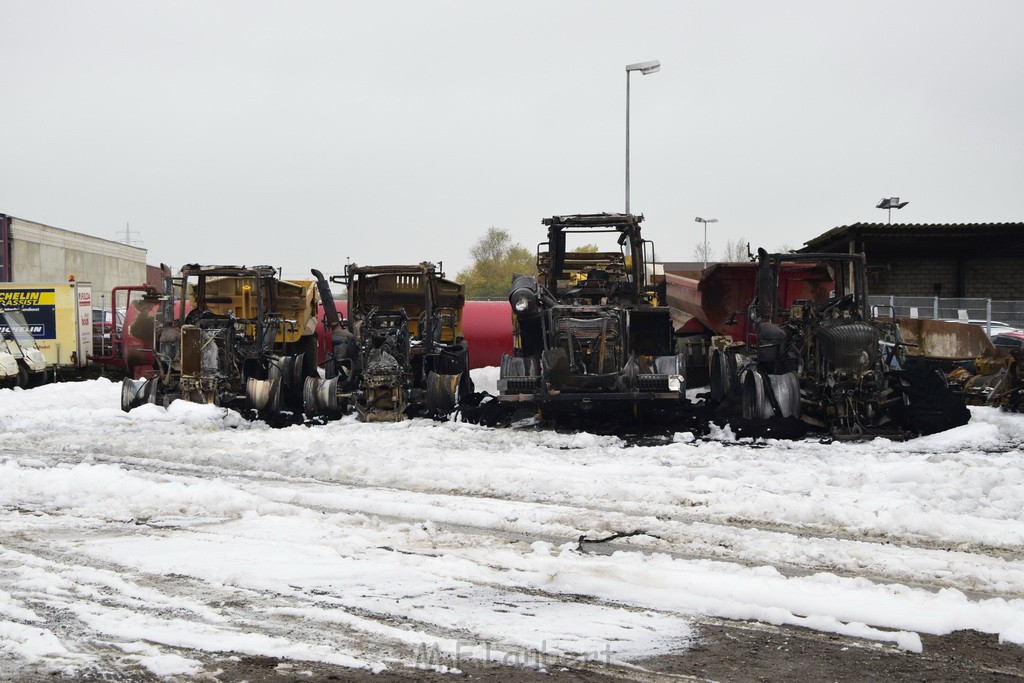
(141, 539)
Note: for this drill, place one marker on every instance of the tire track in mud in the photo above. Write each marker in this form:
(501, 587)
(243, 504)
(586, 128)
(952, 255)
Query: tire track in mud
(249, 608)
(253, 608)
(245, 609)
(384, 637)
(719, 546)
(1008, 552)
(265, 611)
(838, 554)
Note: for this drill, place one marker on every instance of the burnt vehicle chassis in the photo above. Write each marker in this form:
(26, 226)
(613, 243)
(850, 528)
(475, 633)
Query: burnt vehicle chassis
(231, 336)
(590, 339)
(824, 364)
(401, 352)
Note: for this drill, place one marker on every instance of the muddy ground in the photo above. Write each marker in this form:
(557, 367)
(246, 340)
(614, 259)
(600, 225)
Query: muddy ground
(728, 651)
(723, 651)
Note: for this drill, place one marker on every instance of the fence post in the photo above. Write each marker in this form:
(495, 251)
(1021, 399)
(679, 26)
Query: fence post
(988, 316)
(935, 308)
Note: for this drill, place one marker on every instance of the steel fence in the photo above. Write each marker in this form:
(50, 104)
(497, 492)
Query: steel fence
(982, 311)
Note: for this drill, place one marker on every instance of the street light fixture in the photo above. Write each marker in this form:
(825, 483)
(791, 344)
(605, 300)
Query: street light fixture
(890, 204)
(644, 68)
(705, 221)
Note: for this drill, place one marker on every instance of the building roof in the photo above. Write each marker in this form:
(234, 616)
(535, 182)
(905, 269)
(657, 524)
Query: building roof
(35, 228)
(918, 236)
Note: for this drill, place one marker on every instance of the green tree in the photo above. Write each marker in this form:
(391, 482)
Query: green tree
(495, 260)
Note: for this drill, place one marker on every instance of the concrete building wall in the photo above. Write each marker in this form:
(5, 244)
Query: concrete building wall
(994, 278)
(912, 277)
(41, 253)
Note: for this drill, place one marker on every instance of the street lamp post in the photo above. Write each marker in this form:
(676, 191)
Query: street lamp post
(644, 68)
(705, 221)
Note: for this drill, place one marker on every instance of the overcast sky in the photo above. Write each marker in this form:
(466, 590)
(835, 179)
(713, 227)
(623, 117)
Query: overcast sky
(300, 134)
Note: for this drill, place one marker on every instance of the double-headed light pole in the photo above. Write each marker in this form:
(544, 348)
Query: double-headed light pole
(891, 203)
(645, 68)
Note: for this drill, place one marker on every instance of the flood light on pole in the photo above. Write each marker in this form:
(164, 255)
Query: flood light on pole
(890, 204)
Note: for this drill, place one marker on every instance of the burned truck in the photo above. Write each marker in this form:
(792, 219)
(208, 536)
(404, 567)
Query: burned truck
(591, 336)
(231, 336)
(807, 355)
(401, 353)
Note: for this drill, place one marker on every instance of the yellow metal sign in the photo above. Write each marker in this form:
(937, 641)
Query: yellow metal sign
(59, 317)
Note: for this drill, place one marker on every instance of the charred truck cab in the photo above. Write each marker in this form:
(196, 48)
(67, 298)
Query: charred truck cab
(401, 352)
(231, 336)
(591, 336)
(812, 356)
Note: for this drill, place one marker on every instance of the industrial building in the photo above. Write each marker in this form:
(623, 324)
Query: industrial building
(941, 260)
(31, 252)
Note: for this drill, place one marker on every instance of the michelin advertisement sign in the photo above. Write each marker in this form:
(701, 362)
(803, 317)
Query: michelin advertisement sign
(38, 306)
(59, 317)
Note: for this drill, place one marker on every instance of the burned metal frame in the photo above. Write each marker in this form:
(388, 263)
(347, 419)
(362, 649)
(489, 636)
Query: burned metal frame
(853, 282)
(557, 264)
(589, 336)
(401, 352)
(818, 365)
(231, 347)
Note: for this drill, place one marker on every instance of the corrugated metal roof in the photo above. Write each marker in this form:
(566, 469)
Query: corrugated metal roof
(911, 230)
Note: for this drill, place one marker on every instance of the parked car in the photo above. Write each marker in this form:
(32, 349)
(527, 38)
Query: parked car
(997, 327)
(102, 326)
(1013, 340)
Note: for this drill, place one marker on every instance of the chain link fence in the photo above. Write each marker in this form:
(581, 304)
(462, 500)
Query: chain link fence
(980, 311)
